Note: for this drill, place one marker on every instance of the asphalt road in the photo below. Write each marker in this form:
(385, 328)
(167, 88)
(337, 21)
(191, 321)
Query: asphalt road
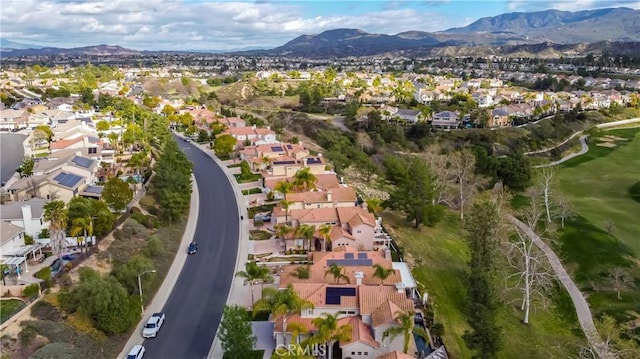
(194, 308)
(11, 153)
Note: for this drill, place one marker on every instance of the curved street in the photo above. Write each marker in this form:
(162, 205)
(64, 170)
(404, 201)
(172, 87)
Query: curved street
(194, 307)
(12, 153)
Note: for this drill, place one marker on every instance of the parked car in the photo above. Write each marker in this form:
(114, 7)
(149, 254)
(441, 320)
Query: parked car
(137, 352)
(153, 325)
(193, 248)
(187, 139)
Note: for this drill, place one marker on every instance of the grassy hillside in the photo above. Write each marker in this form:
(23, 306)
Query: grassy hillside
(604, 189)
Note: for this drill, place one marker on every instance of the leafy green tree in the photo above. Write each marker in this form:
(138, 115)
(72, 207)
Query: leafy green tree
(301, 272)
(481, 227)
(127, 273)
(26, 167)
(172, 182)
(47, 130)
(117, 194)
(96, 215)
(404, 326)
(103, 126)
(282, 303)
(254, 273)
(382, 272)
(415, 190)
(337, 272)
(223, 145)
(103, 299)
(307, 231)
(236, 335)
(329, 332)
(55, 212)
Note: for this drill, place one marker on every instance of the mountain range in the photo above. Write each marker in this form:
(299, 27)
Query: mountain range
(616, 29)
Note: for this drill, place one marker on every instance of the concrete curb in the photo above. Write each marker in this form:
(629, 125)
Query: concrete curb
(161, 296)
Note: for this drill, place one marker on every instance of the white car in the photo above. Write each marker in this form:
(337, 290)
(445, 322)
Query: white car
(153, 325)
(137, 352)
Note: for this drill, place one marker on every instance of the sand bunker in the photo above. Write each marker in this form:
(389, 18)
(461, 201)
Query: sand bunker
(606, 144)
(615, 138)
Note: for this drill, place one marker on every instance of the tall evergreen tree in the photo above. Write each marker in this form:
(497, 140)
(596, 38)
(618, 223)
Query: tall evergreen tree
(481, 228)
(172, 182)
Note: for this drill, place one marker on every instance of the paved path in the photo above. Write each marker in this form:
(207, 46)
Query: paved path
(579, 302)
(583, 150)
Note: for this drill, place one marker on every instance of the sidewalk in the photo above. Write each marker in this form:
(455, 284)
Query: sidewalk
(161, 296)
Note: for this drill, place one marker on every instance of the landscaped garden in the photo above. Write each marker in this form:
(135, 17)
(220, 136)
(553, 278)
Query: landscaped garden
(259, 235)
(9, 307)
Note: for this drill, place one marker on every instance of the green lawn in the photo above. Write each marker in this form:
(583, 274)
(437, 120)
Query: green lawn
(603, 187)
(9, 307)
(253, 177)
(259, 235)
(599, 182)
(249, 191)
(440, 255)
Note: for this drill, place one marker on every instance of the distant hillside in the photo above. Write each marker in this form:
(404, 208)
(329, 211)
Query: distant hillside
(8, 44)
(99, 50)
(613, 24)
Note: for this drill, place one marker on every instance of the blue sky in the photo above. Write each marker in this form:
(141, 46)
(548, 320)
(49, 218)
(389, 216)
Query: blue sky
(228, 25)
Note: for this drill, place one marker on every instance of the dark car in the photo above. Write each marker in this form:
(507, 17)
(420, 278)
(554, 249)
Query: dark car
(193, 247)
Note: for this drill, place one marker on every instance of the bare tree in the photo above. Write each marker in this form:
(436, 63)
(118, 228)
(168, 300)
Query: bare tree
(33, 188)
(620, 279)
(564, 210)
(530, 271)
(438, 163)
(462, 166)
(609, 226)
(546, 183)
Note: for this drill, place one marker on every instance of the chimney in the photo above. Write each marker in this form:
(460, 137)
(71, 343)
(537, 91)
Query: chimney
(304, 161)
(26, 219)
(329, 196)
(358, 276)
(254, 127)
(387, 254)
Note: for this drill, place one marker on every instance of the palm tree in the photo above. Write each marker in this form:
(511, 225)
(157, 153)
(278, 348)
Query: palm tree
(282, 230)
(404, 327)
(56, 213)
(254, 273)
(80, 225)
(382, 272)
(301, 272)
(307, 231)
(374, 205)
(281, 303)
(325, 233)
(304, 180)
(283, 187)
(296, 329)
(329, 332)
(285, 205)
(337, 272)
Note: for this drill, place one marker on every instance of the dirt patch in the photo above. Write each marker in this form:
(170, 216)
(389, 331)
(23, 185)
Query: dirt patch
(606, 144)
(613, 138)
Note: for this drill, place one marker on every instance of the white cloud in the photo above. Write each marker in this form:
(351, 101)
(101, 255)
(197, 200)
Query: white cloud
(182, 25)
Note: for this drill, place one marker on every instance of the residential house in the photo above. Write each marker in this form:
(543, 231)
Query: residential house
(482, 98)
(252, 135)
(337, 197)
(92, 145)
(29, 215)
(13, 119)
(446, 120)
(287, 166)
(409, 116)
(499, 118)
(60, 185)
(324, 182)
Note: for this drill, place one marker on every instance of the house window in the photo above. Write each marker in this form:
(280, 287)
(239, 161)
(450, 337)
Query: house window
(92, 150)
(366, 353)
(358, 231)
(353, 353)
(359, 353)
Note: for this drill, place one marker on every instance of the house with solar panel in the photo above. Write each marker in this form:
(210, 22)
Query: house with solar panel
(59, 185)
(366, 303)
(286, 166)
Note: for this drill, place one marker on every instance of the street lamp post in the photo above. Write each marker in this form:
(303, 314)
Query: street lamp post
(140, 287)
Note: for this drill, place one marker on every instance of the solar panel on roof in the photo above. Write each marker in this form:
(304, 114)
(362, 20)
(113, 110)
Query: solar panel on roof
(348, 256)
(94, 189)
(351, 262)
(82, 162)
(333, 294)
(277, 149)
(290, 147)
(284, 162)
(313, 160)
(67, 179)
(362, 256)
